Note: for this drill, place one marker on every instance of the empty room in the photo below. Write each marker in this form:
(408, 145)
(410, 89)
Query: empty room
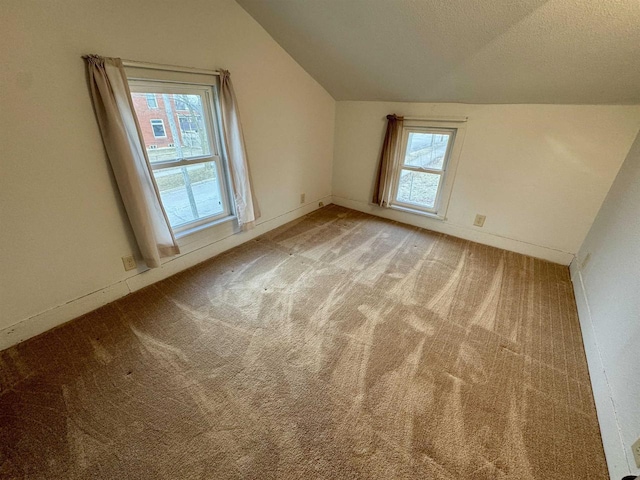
(320, 239)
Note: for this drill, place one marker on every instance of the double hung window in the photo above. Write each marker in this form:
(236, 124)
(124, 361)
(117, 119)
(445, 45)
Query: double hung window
(425, 167)
(183, 147)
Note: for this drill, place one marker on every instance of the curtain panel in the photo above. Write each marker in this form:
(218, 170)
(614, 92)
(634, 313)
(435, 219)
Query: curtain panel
(247, 209)
(122, 140)
(383, 187)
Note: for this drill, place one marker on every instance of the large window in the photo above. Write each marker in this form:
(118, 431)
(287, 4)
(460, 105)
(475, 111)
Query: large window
(187, 165)
(422, 178)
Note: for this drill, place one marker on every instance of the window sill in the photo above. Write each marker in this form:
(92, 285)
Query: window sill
(198, 228)
(415, 211)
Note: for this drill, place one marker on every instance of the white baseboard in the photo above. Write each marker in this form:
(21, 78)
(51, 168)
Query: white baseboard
(193, 254)
(518, 246)
(614, 449)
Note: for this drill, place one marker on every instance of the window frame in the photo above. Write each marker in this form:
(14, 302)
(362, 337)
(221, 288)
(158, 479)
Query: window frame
(456, 130)
(211, 120)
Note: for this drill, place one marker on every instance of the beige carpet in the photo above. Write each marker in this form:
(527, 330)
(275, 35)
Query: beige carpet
(338, 346)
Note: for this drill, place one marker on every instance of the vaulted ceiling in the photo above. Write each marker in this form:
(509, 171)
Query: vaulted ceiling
(472, 51)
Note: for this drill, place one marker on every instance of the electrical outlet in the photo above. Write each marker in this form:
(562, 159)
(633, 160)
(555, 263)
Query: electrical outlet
(302, 197)
(479, 221)
(129, 263)
(636, 452)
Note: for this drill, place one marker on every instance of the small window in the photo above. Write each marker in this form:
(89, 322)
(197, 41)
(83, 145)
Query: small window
(157, 126)
(152, 101)
(188, 168)
(421, 176)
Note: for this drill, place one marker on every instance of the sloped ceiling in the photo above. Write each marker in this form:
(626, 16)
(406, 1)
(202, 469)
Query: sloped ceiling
(473, 51)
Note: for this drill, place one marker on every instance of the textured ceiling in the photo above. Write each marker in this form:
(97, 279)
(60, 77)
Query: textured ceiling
(474, 51)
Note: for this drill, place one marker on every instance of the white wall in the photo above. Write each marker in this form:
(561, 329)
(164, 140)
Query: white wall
(538, 172)
(606, 279)
(62, 227)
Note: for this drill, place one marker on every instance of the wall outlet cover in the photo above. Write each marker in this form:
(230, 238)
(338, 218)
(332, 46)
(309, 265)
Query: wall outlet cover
(129, 263)
(636, 452)
(479, 221)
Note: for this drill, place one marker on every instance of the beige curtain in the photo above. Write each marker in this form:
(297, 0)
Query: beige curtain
(122, 140)
(388, 158)
(246, 205)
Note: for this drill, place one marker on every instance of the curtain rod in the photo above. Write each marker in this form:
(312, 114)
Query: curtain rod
(436, 118)
(170, 68)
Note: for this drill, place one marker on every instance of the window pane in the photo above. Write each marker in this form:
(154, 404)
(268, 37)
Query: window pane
(419, 188)
(426, 150)
(174, 128)
(190, 193)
